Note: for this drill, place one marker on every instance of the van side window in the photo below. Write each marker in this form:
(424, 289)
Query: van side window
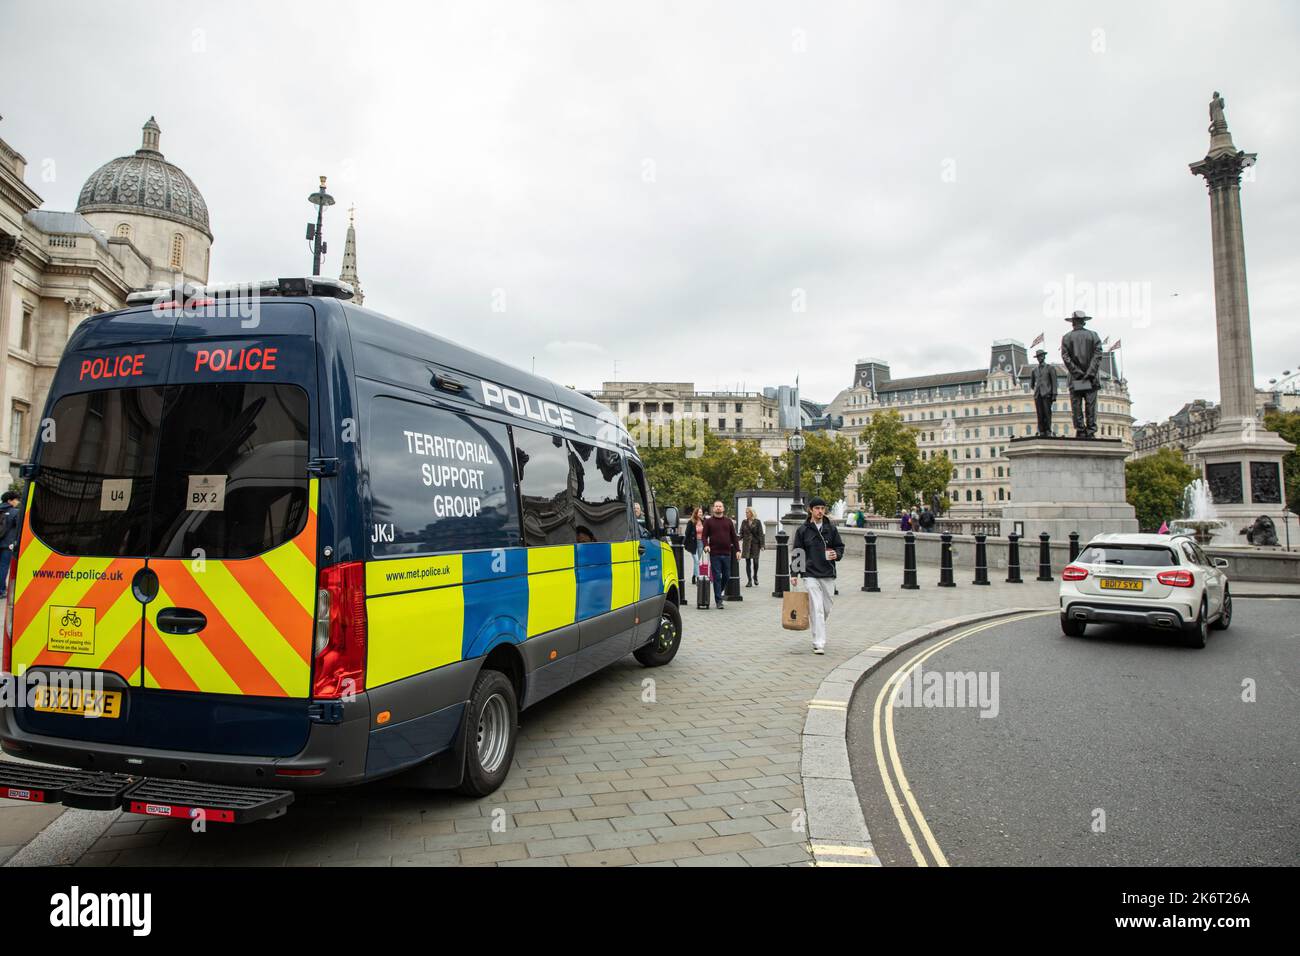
(640, 506)
(546, 483)
(600, 493)
(232, 470)
(95, 484)
(439, 481)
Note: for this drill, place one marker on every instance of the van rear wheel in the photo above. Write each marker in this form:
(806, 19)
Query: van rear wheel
(491, 729)
(663, 646)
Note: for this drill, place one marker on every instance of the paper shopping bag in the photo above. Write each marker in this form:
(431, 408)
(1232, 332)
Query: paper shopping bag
(794, 611)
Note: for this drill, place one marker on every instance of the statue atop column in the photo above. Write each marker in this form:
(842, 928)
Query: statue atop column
(1042, 383)
(1081, 353)
(1218, 123)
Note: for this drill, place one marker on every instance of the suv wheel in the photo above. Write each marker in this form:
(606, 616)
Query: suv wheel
(1198, 632)
(1225, 613)
(491, 727)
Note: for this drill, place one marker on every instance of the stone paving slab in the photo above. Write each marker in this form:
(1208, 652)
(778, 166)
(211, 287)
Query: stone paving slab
(696, 763)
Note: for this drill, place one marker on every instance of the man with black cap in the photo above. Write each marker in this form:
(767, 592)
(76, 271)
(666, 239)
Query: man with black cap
(815, 549)
(10, 518)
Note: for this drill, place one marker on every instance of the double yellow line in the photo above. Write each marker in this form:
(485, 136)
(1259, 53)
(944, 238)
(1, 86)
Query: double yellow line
(886, 741)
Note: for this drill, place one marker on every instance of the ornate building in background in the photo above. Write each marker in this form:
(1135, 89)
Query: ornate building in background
(969, 417)
(140, 222)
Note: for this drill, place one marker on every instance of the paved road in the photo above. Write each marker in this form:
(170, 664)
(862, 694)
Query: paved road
(1123, 722)
(707, 773)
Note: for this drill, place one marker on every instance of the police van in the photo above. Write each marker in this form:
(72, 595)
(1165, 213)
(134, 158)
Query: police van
(295, 543)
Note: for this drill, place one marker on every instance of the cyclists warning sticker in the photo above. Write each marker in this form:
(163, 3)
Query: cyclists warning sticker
(72, 630)
(206, 493)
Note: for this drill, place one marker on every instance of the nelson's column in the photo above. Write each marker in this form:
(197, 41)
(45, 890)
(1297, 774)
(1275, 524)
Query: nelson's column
(1242, 462)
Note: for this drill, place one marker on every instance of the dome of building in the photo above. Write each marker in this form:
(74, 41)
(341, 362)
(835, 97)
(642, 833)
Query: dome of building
(145, 184)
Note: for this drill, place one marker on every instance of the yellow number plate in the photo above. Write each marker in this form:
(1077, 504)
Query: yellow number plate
(1121, 584)
(83, 703)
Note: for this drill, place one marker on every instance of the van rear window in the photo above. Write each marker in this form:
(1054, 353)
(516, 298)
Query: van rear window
(97, 460)
(232, 470)
(213, 470)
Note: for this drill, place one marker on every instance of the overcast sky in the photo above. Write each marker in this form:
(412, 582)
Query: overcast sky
(660, 187)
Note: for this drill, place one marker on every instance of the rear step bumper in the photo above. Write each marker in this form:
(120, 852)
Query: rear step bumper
(151, 796)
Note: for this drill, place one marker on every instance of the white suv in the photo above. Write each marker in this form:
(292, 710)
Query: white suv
(1152, 579)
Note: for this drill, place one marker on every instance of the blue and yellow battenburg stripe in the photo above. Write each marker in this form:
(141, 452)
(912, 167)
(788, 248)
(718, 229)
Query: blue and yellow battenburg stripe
(426, 612)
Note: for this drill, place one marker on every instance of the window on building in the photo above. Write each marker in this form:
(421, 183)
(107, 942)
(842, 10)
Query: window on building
(968, 474)
(738, 408)
(668, 408)
(722, 424)
(651, 408)
(18, 431)
(633, 407)
(740, 424)
(968, 495)
(689, 406)
(704, 406)
(124, 230)
(977, 473)
(27, 334)
(178, 251)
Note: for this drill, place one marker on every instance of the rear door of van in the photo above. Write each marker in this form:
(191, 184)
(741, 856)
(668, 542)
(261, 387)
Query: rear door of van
(210, 620)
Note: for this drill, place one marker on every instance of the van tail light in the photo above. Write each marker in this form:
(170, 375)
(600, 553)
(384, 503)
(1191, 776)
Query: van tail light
(1073, 572)
(1179, 579)
(6, 665)
(339, 644)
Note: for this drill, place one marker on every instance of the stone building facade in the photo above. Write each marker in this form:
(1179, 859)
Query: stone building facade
(140, 223)
(970, 417)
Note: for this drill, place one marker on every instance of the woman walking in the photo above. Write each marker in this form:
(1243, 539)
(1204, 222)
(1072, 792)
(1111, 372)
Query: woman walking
(694, 543)
(753, 538)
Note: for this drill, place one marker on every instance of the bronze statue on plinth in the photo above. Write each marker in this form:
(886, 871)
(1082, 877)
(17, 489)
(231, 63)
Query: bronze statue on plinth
(1081, 352)
(1042, 384)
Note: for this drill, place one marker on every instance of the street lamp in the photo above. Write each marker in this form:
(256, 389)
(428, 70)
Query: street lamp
(817, 477)
(898, 479)
(320, 200)
(796, 443)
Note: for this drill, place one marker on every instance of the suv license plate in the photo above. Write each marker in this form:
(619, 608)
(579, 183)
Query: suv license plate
(1120, 584)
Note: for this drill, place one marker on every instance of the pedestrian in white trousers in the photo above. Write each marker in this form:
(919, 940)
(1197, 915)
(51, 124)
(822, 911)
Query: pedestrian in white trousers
(815, 549)
(821, 595)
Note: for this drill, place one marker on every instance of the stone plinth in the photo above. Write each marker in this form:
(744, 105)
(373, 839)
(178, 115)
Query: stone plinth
(1059, 485)
(1242, 466)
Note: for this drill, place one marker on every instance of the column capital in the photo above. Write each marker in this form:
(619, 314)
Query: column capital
(1222, 170)
(10, 247)
(82, 304)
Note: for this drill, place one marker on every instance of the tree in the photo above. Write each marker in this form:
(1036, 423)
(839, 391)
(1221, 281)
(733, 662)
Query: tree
(888, 439)
(1155, 487)
(833, 455)
(687, 476)
(1287, 424)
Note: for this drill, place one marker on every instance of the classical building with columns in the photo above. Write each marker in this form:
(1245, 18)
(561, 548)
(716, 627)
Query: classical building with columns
(140, 223)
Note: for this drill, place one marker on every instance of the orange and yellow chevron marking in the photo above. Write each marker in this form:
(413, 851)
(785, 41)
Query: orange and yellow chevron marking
(257, 641)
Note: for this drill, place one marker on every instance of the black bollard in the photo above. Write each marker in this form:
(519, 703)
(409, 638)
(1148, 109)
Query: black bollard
(909, 562)
(870, 575)
(945, 561)
(1074, 545)
(733, 583)
(1013, 559)
(981, 560)
(1044, 557)
(782, 563)
(679, 558)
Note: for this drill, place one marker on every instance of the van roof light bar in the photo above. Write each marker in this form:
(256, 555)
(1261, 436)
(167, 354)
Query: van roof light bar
(299, 285)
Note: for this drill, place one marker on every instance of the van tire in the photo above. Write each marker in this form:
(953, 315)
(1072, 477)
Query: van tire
(663, 646)
(491, 725)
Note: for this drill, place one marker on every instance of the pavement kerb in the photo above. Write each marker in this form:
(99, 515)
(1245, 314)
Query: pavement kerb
(837, 830)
